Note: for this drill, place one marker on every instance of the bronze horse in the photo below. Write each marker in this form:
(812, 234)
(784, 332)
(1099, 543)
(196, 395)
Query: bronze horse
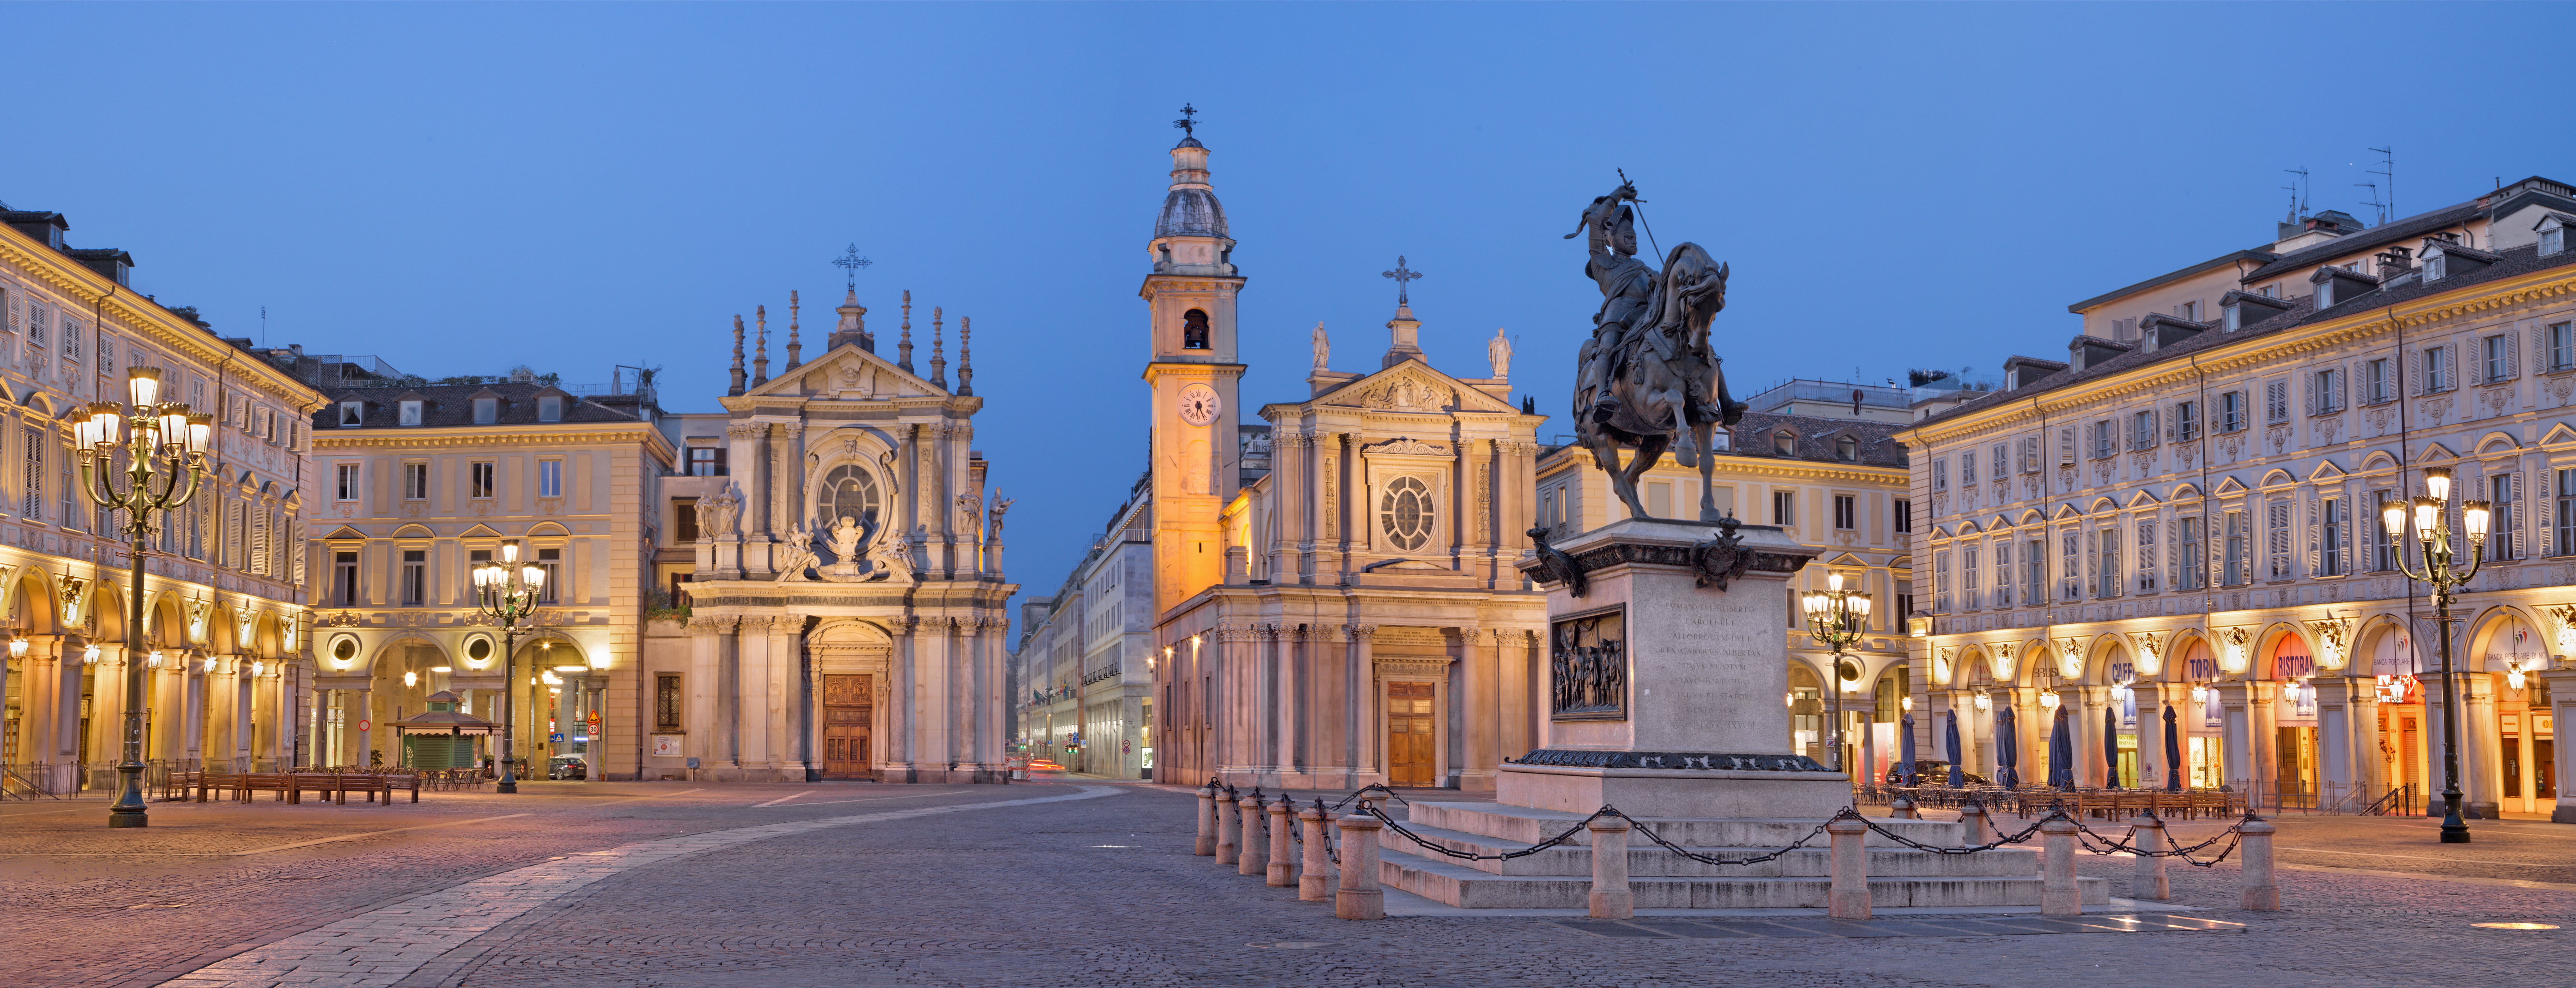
(1663, 382)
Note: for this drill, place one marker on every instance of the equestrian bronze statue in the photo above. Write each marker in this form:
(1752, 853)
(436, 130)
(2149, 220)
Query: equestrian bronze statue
(1646, 378)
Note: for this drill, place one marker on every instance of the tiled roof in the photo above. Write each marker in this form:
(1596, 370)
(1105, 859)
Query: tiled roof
(2398, 232)
(2510, 263)
(453, 405)
(1818, 438)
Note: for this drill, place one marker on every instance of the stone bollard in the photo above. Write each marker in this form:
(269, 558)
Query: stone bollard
(1611, 898)
(2146, 833)
(1228, 827)
(2057, 893)
(1902, 808)
(1848, 897)
(1359, 897)
(1972, 825)
(2261, 893)
(1311, 881)
(1283, 855)
(1207, 823)
(1255, 851)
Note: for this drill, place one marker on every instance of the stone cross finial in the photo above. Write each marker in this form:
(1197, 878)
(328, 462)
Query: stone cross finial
(1188, 123)
(852, 262)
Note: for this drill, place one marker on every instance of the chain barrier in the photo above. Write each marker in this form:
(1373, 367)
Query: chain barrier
(2234, 836)
(1708, 859)
(1355, 794)
(1569, 833)
(2000, 840)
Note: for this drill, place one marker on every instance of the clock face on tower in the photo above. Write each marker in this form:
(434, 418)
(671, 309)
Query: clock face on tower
(1199, 404)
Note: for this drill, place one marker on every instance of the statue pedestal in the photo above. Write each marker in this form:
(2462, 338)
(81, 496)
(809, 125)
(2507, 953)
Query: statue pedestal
(1666, 696)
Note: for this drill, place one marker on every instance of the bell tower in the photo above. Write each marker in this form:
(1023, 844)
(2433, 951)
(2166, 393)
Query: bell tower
(1189, 300)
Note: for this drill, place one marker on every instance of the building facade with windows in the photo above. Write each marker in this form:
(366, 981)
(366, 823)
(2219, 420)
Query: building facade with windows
(1088, 700)
(224, 607)
(418, 484)
(2184, 514)
(1837, 484)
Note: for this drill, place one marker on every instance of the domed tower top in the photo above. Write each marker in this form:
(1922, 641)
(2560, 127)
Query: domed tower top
(1190, 233)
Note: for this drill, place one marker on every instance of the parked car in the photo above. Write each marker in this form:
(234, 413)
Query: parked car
(568, 767)
(1934, 773)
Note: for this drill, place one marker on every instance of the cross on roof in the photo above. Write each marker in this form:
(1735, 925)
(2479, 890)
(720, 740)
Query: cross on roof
(852, 262)
(1401, 275)
(1188, 122)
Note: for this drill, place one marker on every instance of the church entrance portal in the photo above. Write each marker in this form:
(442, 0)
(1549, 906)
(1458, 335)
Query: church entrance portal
(847, 710)
(1409, 748)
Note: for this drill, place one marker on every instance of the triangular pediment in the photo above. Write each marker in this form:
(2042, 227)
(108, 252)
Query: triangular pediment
(2065, 511)
(1413, 386)
(1846, 559)
(2326, 471)
(850, 373)
(480, 531)
(1998, 522)
(344, 533)
(2230, 485)
(2558, 433)
(2436, 453)
(2142, 499)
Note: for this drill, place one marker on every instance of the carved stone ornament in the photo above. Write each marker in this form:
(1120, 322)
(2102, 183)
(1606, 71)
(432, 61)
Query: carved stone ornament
(1720, 559)
(1588, 668)
(1403, 446)
(1692, 761)
(1554, 566)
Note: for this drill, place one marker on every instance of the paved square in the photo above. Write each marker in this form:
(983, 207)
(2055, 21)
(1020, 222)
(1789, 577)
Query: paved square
(1090, 884)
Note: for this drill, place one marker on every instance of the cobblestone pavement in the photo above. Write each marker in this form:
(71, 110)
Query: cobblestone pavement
(836, 889)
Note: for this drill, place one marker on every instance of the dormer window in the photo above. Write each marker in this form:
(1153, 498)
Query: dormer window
(411, 412)
(1784, 443)
(353, 413)
(1847, 449)
(2434, 267)
(2232, 318)
(487, 411)
(2553, 240)
(1194, 330)
(550, 408)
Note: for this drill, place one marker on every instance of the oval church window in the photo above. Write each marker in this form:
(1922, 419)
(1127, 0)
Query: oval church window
(1407, 513)
(849, 492)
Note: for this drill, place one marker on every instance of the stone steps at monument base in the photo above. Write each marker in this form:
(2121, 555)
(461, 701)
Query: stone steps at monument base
(1468, 888)
(1645, 859)
(1523, 826)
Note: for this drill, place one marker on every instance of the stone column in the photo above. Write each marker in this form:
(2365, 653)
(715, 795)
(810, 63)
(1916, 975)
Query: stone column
(745, 441)
(787, 709)
(1521, 665)
(2481, 767)
(2348, 738)
(1480, 671)
(933, 649)
(107, 713)
(1368, 716)
(753, 710)
(961, 700)
(2562, 702)
(2236, 743)
(1288, 458)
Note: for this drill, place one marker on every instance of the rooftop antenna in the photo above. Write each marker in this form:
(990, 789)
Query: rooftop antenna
(2298, 193)
(2388, 158)
(2374, 200)
(263, 325)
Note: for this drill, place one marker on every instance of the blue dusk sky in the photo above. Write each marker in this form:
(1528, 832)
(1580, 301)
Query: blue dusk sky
(459, 188)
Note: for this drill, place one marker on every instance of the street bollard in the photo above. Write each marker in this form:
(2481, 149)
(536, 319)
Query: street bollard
(2057, 894)
(2147, 833)
(1611, 898)
(1972, 824)
(1283, 857)
(1256, 846)
(1902, 808)
(1229, 826)
(2261, 893)
(1359, 897)
(1311, 881)
(1848, 896)
(1206, 844)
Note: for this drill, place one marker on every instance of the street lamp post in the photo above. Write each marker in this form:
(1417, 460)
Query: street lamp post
(152, 431)
(1836, 618)
(507, 597)
(2433, 532)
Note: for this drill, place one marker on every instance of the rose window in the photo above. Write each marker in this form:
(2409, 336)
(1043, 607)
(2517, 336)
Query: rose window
(1406, 512)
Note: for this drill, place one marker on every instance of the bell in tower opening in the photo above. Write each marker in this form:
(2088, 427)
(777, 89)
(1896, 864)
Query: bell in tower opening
(1194, 330)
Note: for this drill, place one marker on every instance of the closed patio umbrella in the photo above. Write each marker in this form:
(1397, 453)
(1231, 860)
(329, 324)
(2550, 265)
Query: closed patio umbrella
(2061, 752)
(2173, 752)
(1957, 779)
(2111, 747)
(1905, 750)
(2007, 760)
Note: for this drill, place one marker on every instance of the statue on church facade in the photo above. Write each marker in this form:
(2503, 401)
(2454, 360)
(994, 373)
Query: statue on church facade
(1001, 506)
(798, 557)
(846, 535)
(1499, 351)
(1648, 379)
(716, 514)
(1323, 348)
(889, 559)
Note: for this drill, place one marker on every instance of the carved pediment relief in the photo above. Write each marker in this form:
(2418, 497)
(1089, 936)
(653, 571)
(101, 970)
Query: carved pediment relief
(1414, 388)
(1407, 446)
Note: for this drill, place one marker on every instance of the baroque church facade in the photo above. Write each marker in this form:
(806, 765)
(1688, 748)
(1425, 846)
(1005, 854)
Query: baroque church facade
(1335, 598)
(846, 603)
